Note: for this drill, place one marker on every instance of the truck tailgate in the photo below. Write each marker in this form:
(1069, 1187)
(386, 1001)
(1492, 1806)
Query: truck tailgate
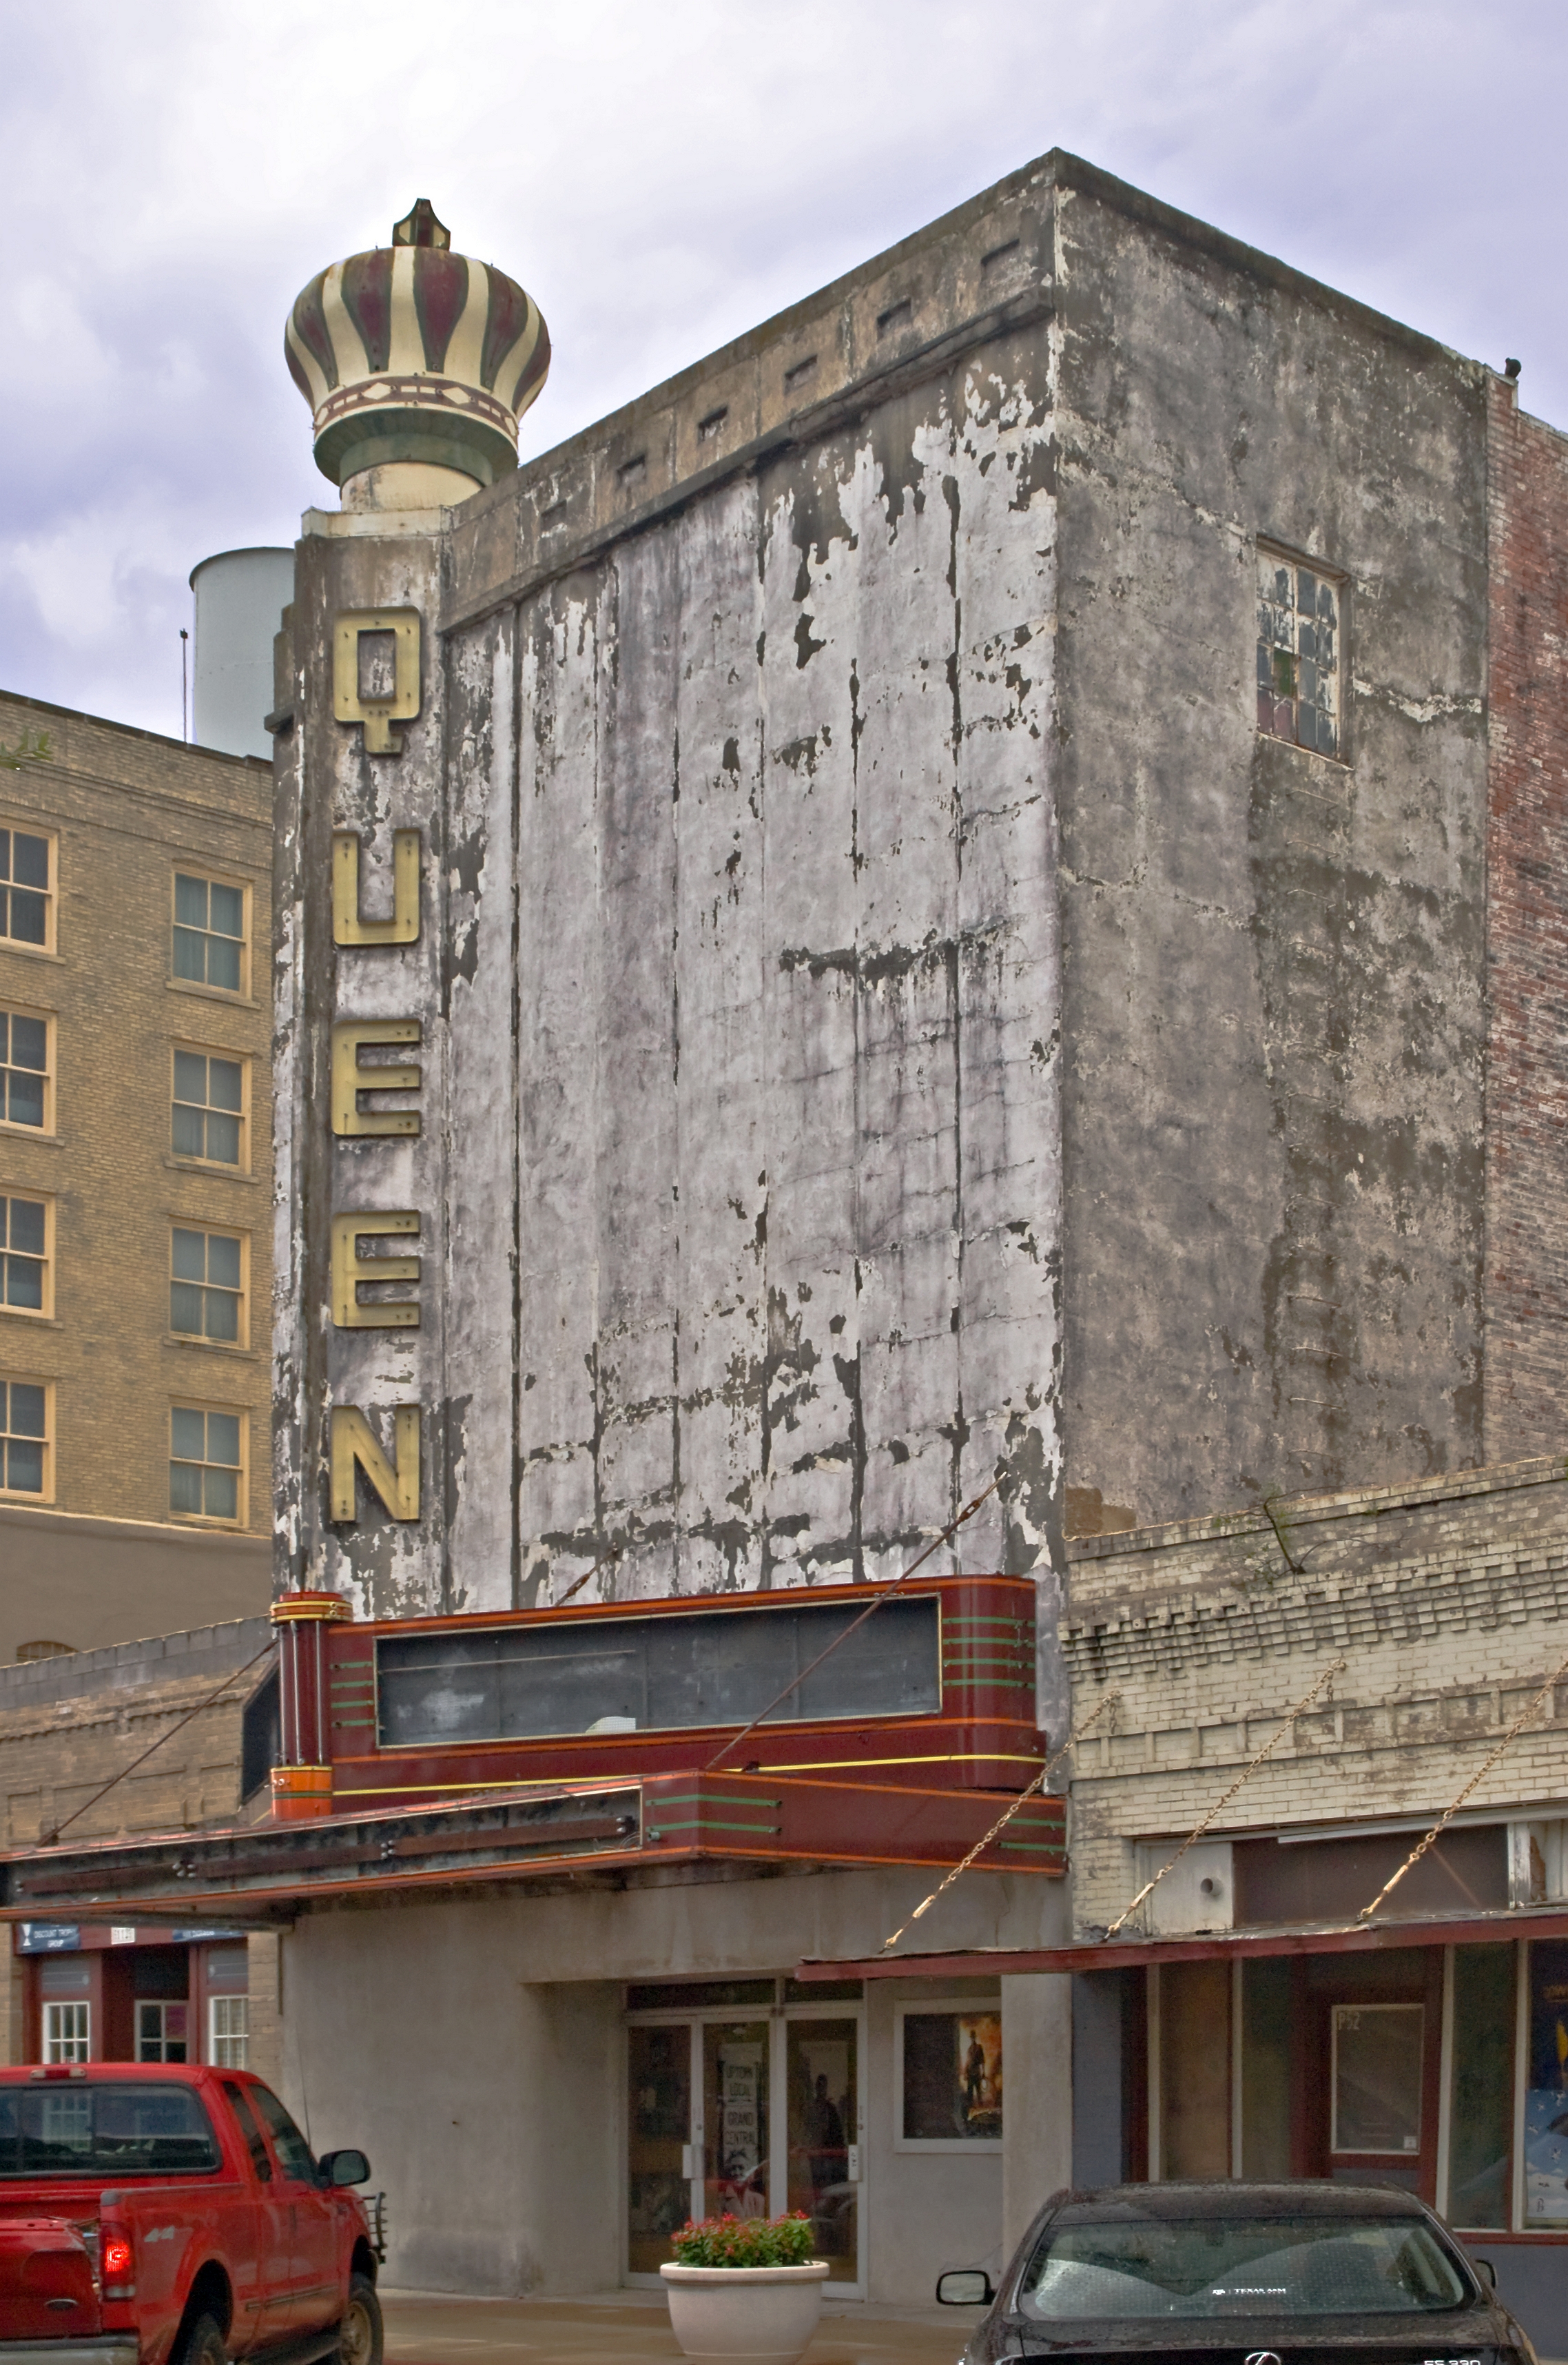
(47, 2285)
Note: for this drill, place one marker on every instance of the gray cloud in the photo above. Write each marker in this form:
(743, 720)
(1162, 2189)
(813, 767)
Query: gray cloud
(661, 180)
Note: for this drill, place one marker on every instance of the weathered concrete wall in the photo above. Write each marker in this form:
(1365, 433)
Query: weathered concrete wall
(787, 1160)
(827, 763)
(1527, 1187)
(1271, 961)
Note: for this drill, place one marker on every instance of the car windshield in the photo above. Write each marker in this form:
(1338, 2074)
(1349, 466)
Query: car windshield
(101, 2128)
(1195, 2266)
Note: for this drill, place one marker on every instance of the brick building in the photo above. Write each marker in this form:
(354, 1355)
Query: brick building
(191, 1716)
(962, 894)
(135, 1183)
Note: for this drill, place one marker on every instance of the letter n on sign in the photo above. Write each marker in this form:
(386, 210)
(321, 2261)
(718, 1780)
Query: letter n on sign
(353, 1445)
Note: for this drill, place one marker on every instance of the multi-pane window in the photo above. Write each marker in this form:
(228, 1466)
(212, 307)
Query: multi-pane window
(205, 1467)
(209, 932)
(23, 1255)
(26, 888)
(25, 1095)
(67, 2033)
(207, 1285)
(24, 1438)
(160, 2031)
(228, 2031)
(1299, 654)
(209, 1108)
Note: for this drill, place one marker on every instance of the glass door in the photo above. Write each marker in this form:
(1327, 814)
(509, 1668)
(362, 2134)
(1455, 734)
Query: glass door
(734, 2133)
(659, 2141)
(821, 2079)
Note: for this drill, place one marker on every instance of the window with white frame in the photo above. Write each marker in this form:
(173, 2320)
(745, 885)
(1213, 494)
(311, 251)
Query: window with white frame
(160, 2031)
(948, 2063)
(26, 890)
(27, 1080)
(67, 2032)
(229, 2031)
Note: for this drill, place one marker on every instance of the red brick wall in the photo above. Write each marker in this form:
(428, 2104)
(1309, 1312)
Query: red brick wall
(1527, 1143)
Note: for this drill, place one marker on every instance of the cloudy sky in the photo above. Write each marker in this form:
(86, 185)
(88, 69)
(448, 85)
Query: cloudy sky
(661, 178)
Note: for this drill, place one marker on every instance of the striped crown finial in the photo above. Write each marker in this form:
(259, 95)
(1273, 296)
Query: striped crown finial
(413, 352)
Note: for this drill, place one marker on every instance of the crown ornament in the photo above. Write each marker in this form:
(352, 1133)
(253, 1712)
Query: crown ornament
(412, 353)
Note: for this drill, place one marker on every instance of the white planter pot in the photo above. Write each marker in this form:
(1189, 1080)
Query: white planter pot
(745, 2315)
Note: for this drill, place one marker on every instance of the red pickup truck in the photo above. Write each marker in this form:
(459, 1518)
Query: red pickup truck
(162, 2215)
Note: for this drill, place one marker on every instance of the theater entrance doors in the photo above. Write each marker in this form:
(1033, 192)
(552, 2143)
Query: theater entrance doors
(753, 2109)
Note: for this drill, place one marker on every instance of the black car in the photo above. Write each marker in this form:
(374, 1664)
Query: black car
(1240, 2274)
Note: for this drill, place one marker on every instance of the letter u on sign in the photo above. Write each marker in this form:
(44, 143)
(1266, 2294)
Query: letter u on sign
(349, 924)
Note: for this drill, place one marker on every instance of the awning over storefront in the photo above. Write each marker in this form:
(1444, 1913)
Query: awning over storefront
(1215, 1945)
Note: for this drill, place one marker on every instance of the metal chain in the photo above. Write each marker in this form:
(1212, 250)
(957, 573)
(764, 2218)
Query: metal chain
(1474, 1782)
(1220, 1804)
(854, 1625)
(51, 1839)
(1041, 1779)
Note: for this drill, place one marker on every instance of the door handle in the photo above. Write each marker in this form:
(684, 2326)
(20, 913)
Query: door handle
(852, 2165)
(690, 2167)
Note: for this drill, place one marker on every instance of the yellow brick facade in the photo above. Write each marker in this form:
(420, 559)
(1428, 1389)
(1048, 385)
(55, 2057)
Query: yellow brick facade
(123, 810)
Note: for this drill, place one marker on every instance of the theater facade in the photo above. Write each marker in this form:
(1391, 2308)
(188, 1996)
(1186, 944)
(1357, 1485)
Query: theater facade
(924, 953)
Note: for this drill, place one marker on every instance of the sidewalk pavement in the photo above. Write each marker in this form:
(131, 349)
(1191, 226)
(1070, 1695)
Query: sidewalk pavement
(632, 2328)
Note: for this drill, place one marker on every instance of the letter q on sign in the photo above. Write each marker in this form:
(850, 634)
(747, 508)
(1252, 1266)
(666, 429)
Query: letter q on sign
(367, 691)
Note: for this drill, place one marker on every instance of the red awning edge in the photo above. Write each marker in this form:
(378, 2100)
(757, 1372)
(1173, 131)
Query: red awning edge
(1226, 1945)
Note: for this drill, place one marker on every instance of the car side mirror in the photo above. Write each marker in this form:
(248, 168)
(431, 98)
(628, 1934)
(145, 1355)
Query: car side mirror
(965, 2287)
(344, 2168)
(1487, 2272)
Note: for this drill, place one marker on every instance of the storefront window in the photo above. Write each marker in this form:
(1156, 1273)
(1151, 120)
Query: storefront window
(658, 2131)
(735, 2118)
(951, 2069)
(1546, 2098)
(824, 2118)
(1266, 2068)
(1194, 2069)
(1482, 2093)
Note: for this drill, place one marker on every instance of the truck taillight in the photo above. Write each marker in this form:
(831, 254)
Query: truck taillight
(118, 2267)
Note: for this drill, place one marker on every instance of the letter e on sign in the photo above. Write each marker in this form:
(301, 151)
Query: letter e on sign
(353, 1081)
(351, 1272)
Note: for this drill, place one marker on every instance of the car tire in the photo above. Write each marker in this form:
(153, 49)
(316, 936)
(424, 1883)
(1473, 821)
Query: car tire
(203, 2344)
(362, 2335)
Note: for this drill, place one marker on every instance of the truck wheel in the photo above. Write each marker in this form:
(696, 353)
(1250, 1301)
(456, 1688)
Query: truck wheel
(204, 2343)
(361, 2342)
